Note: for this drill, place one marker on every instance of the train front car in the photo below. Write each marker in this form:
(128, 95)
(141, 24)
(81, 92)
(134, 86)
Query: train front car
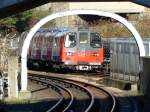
(83, 50)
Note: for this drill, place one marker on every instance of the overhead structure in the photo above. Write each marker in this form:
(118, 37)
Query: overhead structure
(10, 7)
(142, 2)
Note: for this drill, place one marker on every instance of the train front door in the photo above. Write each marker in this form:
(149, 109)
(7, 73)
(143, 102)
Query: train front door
(83, 48)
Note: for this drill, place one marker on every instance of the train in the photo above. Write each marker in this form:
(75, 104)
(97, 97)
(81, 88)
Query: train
(67, 48)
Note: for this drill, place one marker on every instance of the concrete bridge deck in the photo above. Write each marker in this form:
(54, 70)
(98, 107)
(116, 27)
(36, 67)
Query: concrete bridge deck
(10, 7)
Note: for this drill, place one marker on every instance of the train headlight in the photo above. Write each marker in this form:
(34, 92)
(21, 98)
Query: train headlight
(96, 54)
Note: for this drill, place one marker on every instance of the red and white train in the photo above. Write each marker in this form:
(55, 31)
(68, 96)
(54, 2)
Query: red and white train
(74, 48)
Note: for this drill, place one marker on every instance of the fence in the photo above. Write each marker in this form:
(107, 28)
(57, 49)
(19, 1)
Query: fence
(124, 58)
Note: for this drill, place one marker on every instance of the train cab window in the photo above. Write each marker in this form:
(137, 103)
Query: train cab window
(70, 40)
(95, 40)
(83, 37)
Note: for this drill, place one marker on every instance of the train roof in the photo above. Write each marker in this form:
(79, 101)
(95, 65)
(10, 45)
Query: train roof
(56, 32)
(49, 32)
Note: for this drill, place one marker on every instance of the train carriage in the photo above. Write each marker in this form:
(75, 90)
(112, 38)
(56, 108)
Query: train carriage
(74, 48)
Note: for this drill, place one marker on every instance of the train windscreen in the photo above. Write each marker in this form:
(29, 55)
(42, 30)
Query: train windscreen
(70, 40)
(83, 37)
(95, 40)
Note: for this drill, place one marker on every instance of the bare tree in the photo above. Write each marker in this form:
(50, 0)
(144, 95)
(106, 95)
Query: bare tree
(5, 48)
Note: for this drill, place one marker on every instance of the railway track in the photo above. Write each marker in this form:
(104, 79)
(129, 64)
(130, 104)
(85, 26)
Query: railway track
(125, 104)
(66, 97)
(83, 97)
(73, 90)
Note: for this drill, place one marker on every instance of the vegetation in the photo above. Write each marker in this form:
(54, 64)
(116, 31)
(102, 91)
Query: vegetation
(143, 24)
(12, 20)
(25, 20)
(38, 14)
(114, 29)
(108, 28)
(18, 21)
(111, 28)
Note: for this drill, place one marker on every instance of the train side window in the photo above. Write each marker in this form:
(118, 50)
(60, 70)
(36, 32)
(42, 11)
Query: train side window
(95, 40)
(55, 42)
(39, 41)
(45, 41)
(70, 40)
(36, 41)
(33, 42)
(49, 42)
(83, 37)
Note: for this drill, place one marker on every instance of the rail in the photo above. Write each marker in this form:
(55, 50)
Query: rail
(56, 88)
(111, 97)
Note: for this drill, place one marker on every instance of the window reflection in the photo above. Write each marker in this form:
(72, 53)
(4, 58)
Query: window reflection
(70, 40)
(83, 38)
(95, 40)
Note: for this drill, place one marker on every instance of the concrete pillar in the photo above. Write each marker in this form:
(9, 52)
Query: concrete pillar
(24, 93)
(12, 77)
(144, 78)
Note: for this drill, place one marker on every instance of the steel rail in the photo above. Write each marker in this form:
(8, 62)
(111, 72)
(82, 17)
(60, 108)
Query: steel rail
(111, 96)
(126, 104)
(59, 101)
(72, 97)
(58, 90)
(90, 94)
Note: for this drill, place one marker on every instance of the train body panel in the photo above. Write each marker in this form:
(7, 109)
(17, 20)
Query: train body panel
(89, 58)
